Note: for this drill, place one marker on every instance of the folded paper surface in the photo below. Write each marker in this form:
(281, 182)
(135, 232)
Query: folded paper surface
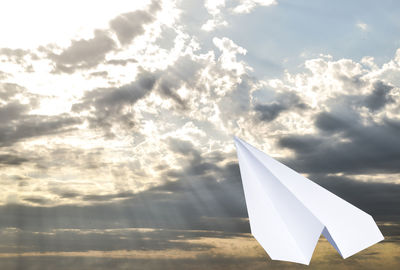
(289, 212)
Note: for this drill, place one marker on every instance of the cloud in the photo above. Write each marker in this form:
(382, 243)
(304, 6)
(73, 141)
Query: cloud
(206, 194)
(184, 72)
(129, 25)
(4, 75)
(357, 149)
(88, 53)
(287, 101)
(353, 127)
(107, 104)
(377, 199)
(102, 74)
(269, 112)
(121, 62)
(208, 186)
(246, 6)
(16, 121)
(229, 50)
(221, 10)
(379, 96)
(12, 110)
(19, 57)
(83, 53)
(214, 9)
(16, 56)
(10, 90)
(149, 143)
(195, 201)
(8, 159)
(34, 126)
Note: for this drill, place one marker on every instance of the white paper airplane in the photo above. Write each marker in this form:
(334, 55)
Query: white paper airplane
(288, 212)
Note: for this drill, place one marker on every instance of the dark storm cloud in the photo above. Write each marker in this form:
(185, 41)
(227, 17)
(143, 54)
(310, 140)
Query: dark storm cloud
(127, 26)
(190, 204)
(9, 159)
(379, 96)
(376, 98)
(11, 106)
(331, 123)
(121, 62)
(102, 74)
(83, 53)
(357, 148)
(206, 194)
(167, 89)
(284, 102)
(68, 194)
(381, 200)
(185, 71)
(12, 110)
(301, 144)
(198, 165)
(107, 104)
(201, 196)
(268, 112)
(17, 124)
(111, 98)
(185, 148)
(105, 198)
(348, 142)
(36, 200)
(30, 126)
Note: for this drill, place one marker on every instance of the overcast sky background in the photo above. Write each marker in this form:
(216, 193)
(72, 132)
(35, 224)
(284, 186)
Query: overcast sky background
(117, 123)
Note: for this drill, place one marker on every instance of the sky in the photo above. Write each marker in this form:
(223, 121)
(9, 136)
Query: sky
(117, 122)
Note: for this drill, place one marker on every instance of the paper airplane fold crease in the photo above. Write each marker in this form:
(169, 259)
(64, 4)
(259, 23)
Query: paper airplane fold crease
(288, 212)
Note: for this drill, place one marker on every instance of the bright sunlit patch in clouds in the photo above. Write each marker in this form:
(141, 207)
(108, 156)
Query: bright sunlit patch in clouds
(29, 24)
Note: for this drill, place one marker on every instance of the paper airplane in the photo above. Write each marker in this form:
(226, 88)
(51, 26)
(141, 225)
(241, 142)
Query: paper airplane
(288, 212)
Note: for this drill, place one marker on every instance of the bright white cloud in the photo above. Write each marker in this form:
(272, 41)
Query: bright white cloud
(229, 51)
(218, 10)
(214, 9)
(214, 6)
(246, 6)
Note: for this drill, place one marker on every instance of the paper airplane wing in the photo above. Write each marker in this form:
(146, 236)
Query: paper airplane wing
(288, 212)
